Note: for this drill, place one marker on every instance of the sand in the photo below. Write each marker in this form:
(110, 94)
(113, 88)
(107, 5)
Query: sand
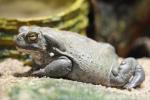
(10, 66)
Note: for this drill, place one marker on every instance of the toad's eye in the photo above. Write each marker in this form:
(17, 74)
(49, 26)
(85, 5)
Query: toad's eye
(32, 37)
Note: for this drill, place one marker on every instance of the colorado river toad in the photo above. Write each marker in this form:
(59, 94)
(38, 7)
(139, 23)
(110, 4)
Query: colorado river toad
(63, 54)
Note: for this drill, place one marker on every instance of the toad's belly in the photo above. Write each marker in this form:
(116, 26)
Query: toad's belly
(94, 73)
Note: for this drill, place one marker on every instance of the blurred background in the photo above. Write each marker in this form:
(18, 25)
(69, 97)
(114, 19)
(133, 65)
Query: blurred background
(123, 23)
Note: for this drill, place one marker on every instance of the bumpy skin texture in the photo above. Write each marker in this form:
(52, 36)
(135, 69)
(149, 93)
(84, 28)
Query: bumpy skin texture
(62, 54)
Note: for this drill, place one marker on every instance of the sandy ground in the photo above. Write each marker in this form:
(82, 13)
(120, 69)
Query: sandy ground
(10, 66)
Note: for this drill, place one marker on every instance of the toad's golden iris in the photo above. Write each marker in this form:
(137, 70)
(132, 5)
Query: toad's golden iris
(32, 37)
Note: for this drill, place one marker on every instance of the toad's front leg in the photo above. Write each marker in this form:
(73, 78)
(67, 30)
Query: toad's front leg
(56, 69)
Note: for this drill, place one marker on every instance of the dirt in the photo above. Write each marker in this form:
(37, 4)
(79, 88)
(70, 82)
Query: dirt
(10, 66)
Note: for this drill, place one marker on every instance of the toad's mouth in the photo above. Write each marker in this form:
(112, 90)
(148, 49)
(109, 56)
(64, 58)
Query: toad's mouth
(22, 47)
(28, 48)
(23, 50)
(27, 51)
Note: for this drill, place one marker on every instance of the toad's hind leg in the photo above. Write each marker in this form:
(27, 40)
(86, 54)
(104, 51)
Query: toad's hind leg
(137, 79)
(129, 74)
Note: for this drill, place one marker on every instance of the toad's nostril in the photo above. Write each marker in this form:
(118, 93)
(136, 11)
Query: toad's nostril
(18, 38)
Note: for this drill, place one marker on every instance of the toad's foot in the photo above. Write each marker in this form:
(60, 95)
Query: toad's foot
(25, 74)
(129, 74)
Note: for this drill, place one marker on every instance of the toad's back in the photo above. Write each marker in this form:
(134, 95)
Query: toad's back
(92, 61)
